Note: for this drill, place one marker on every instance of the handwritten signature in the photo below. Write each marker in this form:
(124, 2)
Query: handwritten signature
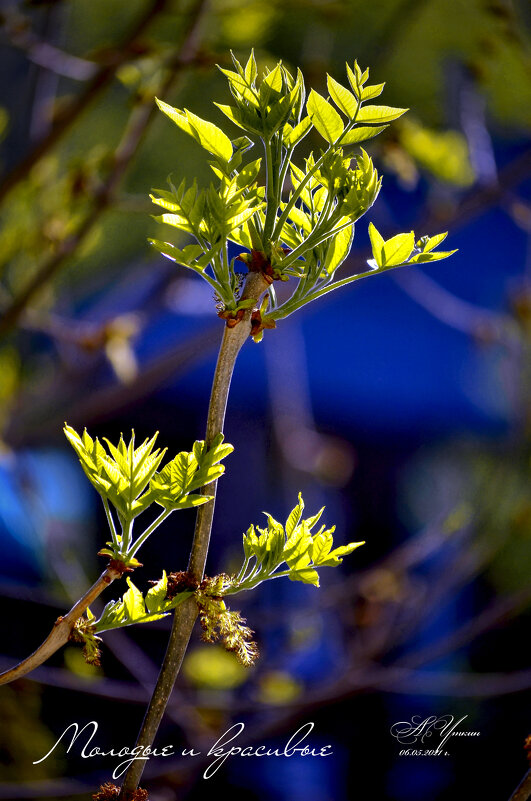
(434, 731)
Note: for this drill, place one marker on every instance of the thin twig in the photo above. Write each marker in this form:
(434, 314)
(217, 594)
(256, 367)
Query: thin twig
(184, 619)
(62, 629)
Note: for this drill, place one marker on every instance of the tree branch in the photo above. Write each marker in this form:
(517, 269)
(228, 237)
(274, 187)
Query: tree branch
(70, 113)
(139, 120)
(523, 791)
(62, 628)
(184, 619)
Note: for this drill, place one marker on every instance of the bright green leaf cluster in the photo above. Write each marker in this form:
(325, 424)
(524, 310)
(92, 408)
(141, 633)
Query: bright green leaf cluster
(305, 235)
(292, 544)
(173, 486)
(129, 479)
(402, 249)
(120, 474)
(266, 550)
(133, 607)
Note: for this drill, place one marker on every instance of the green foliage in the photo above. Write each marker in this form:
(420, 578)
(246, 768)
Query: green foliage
(120, 474)
(129, 479)
(173, 485)
(402, 249)
(292, 544)
(306, 236)
(265, 551)
(133, 607)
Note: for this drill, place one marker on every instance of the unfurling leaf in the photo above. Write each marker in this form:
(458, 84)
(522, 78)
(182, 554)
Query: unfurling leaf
(171, 487)
(293, 545)
(401, 249)
(130, 479)
(134, 608)
(121, 473)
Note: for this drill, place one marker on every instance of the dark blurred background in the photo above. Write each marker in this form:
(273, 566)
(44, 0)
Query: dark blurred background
(402, 403)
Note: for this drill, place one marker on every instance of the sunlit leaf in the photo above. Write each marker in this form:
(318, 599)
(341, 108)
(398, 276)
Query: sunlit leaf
(342, 97)
(338, 249)
(324, 117)
(210, 137)
(299, 132)
(377, 243)
(177, 116)
(369, 92)
(361, 134)
(379, 114)
(305, 574)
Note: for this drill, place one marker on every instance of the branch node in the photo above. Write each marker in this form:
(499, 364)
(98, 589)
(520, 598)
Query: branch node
(110, 792)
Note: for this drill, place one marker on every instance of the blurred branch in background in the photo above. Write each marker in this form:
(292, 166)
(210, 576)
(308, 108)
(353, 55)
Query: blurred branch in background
(18, 27)
(141, 116)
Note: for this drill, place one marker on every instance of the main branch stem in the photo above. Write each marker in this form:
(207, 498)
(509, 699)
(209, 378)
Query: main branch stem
(185, 617)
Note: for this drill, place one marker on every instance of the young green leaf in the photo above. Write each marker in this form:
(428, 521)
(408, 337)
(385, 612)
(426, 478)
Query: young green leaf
(324, 117)
(434, 241)
(305, 574)
(292, 545)
(422, 258)
(335, 557)
(342, 97)
(189, 471)
(120, 475)
(294, 517)
(304, 235)
(377, 244)
(132, 608)
(379, 114)
(176, 115)
(210, 137)
(395, 251)
(298, 133)
(338, 249)
(251, 70)
(361, 134)
(398, 249)
(370, 92)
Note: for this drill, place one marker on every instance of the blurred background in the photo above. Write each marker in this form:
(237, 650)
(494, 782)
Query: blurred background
(402, 402)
